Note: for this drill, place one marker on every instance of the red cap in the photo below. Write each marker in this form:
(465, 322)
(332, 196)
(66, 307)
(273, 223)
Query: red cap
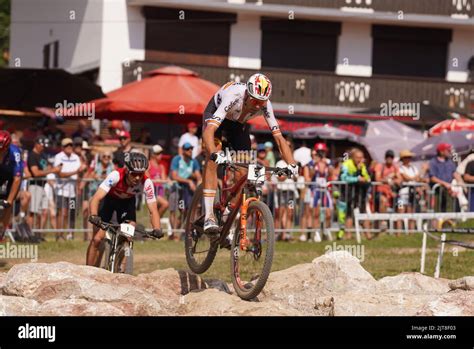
(192, 124)
(443, 146)
(320, 146)
(125, 134)
(116, 124)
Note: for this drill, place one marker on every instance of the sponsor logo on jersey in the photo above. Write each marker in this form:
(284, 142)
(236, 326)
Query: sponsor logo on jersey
(229, 107)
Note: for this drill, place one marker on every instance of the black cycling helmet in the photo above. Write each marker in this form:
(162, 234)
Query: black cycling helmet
(136, 162)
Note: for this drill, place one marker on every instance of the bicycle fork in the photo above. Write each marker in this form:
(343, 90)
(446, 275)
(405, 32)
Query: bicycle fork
(244, 242)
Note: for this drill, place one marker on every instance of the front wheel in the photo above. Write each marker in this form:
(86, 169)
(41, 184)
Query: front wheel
(251, 259)
(124, 259)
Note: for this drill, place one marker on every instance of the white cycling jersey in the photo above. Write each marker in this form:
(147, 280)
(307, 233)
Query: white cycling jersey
(230, 100)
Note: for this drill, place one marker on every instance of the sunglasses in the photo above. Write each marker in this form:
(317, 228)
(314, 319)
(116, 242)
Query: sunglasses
(188, 149)
(68, 145)
(106, 156)
(256, 102)
(135, 174)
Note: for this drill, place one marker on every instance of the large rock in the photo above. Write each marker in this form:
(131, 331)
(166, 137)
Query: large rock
(79, 307)
(334, 284)
(129, 294)
(454, 303)
(465, 283)
(218, 303)
(412, 283)
(17, 306)
(357, 304)
(333, 273)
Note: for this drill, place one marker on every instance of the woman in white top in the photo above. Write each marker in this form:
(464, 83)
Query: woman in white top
(408, 193)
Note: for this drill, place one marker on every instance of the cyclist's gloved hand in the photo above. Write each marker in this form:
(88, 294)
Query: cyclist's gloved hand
(219, 157)
(4, 204)
(293, 169)
(95, 220)
(157, 233)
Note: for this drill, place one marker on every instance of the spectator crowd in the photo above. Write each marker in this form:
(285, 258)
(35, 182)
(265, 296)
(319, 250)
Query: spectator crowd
(62, 172)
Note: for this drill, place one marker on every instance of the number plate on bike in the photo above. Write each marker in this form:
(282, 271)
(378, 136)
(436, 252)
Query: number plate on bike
(127, 229)
(256, 174)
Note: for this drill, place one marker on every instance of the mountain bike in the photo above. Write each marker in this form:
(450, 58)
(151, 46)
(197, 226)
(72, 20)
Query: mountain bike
(248, 230)
(117, 248)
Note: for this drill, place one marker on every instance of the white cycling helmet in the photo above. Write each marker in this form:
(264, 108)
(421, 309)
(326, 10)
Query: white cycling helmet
(259, 87)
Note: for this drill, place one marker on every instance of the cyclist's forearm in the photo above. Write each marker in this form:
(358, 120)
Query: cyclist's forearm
(285, 150)
(14, 189)
(154, 215)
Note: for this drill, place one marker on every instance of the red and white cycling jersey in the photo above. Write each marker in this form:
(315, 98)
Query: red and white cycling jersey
(116, 186)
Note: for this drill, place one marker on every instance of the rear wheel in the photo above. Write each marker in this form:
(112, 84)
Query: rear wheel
(199, 248)
(251, 260)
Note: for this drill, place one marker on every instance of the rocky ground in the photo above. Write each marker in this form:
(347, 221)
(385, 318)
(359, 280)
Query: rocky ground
(332, 285)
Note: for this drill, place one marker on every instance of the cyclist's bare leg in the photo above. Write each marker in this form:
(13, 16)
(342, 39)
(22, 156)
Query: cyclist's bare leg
(209, 186)
(93, 251)
(5, 220)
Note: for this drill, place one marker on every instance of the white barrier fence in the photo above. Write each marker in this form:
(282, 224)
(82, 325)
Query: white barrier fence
(61, 206)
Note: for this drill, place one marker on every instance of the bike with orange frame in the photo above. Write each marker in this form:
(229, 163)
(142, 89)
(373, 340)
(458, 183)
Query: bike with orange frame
(248, 229)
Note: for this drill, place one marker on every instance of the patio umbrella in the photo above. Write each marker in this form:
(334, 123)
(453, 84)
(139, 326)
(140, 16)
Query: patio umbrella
(325, 132)
(27, 89)
(461, 124)
(461, 141)
(389, 134)
(170, 94)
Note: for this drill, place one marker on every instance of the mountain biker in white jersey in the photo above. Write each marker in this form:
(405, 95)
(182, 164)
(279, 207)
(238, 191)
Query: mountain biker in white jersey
(228, 111)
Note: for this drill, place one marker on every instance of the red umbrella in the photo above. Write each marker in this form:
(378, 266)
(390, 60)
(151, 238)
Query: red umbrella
(461, 124)
(169, 94)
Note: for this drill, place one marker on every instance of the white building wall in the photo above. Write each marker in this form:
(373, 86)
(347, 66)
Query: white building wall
(354, 51)
(123, 40)
(245, 42)
(76, 25)
(461, 49)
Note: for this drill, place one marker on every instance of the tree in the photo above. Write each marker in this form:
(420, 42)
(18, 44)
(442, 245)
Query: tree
(4, 31)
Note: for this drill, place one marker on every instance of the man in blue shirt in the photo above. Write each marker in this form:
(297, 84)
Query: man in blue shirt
(442, 172)
(11, 172)
(186, 172)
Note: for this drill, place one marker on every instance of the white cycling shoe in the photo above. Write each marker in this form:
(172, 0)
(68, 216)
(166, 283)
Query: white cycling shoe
(211, 227)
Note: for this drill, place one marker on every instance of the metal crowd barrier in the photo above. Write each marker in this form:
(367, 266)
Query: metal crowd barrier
(61, 206)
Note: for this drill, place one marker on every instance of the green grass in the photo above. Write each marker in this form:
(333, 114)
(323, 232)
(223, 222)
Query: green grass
(383, 256)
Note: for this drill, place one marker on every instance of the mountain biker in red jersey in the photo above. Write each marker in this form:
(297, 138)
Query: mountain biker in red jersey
(117, 194)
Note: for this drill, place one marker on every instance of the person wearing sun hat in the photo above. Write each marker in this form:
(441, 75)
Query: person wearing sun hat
(408, 192)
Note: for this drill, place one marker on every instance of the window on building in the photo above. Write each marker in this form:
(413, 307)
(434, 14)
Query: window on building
(51, 55)
(188, 37)
(409, 51)
(297, 44)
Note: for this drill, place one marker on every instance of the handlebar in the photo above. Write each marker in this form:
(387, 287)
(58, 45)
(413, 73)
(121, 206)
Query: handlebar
(279, 171)
(115, 227)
